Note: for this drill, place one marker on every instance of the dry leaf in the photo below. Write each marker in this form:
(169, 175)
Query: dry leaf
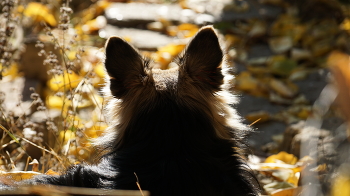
(340, 65)
(287, 192)
(271, 187)
(258, 29)
(166, 54)
(18, 175)
(246, 82)
(64, 82)
(94, 24)
(280, 44)
(281, 65)
(345, 25)
(282, 157)
(288, 25)
(52, 173)
(258, 117)
(39, 12)
(341, 185)
(53, 101)
(282, 88)
(300, 54)
(66, 135)
(187, 29)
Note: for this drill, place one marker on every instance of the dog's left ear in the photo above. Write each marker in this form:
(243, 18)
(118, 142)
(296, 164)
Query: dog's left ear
(202, 59)
(124, 65)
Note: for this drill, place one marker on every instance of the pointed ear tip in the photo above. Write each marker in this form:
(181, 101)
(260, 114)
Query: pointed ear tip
(114, 40)
(209, 29)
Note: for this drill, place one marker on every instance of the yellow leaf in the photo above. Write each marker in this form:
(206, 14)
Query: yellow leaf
(282, 157)
(96, 131)
(94, 24)
(294, 178)
(172, 49)
(233, 40)
(271, 187)
(341, 186)
(288, 25)
(280, 65)
(166, 54)
(259, 117)
(184, 30)
(52, 173)
(56, 102)
(345, 25)
(18, 175)
(71, 55)
(281, 88)
(287, 192)
(12, 70)
(187, 26)
(101, 6)
(67, 135)
(304, 113)
(246, 82)
(64, 82)
(99, 69)
(340, 65)
(39, 12)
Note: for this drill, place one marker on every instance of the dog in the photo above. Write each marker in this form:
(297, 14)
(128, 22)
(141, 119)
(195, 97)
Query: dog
(175, 130)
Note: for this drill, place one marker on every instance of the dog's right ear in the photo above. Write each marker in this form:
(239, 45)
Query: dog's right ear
(202, 59)
(124, 65)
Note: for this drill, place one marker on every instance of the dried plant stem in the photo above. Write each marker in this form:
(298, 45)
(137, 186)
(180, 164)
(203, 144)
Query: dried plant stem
(138, 184)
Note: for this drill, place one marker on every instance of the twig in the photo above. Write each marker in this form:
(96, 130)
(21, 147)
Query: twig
(138, 184)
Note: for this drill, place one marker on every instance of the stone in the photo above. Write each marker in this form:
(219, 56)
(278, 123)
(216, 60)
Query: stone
(140, 14)
(138, 37)
(301, 139)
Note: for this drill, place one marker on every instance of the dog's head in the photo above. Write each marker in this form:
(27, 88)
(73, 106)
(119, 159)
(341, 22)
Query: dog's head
(196, 85)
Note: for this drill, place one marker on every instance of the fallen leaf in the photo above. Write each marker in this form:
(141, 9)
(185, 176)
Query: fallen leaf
(94, 24)
(64, 82)
(282, 89)
(277, 185)
(187, 29)
(53, 101)
(258, 117)
(258, 29)
(66, 135)
(52, 173)
(280, 44)
(39, 12)
(281, 65)
(322, 47)
(300, 54)
(288, 25)
(287, 192)
(345, 25)
(339, 64)
(298, 74)
(246, 82)
(18, 175)
(341, 184)
(282, 157)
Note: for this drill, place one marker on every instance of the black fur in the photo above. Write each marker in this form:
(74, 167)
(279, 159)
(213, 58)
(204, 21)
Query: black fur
(171, 146)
